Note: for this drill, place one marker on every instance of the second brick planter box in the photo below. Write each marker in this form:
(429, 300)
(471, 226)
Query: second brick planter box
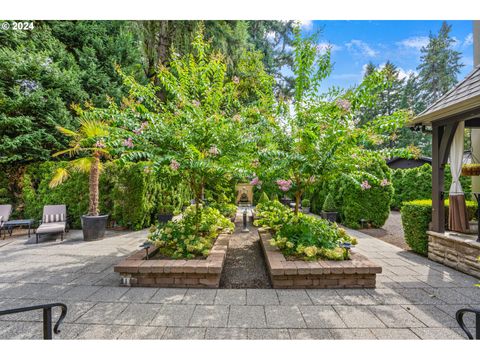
(359, 272)
(135, 270)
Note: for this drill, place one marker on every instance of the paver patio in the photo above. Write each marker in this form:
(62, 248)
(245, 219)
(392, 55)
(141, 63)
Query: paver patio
(415, 298)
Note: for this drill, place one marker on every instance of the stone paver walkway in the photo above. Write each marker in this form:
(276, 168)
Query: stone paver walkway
(415, 299)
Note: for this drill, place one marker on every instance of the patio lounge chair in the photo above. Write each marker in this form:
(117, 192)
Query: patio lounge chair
(54, 221)
(5, 211)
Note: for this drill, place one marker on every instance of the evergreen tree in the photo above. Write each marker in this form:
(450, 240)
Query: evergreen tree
(369, 69)
(440, 65)
(39, 80)
(97, 47)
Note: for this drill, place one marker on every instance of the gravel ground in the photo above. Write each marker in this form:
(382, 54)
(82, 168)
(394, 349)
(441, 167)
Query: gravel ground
(391, 232)
(244, 266)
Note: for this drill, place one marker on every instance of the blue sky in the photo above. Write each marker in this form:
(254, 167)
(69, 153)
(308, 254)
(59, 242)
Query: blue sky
(355, 43)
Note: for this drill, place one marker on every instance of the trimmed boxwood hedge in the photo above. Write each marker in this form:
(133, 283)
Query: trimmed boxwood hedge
(416, 183)
(416, 217)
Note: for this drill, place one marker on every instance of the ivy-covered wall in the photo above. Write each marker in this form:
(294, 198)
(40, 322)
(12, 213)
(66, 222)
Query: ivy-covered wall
(130, 194)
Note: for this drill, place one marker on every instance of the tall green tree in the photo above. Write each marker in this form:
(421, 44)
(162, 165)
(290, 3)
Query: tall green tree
(439, 66)
(39, 80)
(232, 38)
(97, 47)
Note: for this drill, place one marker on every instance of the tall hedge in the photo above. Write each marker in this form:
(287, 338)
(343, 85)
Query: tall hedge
(416, 217)
(416, 183)
(355, 203)
(131, 195)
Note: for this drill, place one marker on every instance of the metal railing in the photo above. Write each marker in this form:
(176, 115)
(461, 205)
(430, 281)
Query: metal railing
(47, 317)
(459, 316)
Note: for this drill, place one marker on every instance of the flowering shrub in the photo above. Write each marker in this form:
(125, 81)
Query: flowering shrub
(284, 185)
(301, 235)
(272, 214)
(365, 185)
(310, 238)
(177, 239)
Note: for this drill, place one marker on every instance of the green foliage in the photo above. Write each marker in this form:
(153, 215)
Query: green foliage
(227, 210)
(197, 133)
(358, 194)
(263, 198)
(272, 214)
(131, 195)
(329, 204)
(305, 203)
(97, 47)
(416, 183)
(190, 237)
(39, 80)
(301, 235)
(439, 65)
(310, 238)
(46, 70)
(416, 216)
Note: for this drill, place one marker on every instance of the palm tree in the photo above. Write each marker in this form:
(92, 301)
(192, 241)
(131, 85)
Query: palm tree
(87, 142)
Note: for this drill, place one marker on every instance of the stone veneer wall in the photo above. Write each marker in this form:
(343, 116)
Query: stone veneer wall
(454, 251)
(135, 270)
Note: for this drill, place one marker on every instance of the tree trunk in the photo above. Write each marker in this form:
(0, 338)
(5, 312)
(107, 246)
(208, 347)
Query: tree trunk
(93, 184)
(297, 201)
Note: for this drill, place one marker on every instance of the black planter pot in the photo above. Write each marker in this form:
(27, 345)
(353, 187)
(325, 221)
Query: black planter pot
(93, 227)
(163, 218)
(330, 215)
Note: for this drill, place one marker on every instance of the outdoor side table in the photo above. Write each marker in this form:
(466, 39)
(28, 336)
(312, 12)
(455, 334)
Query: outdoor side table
(11, 224)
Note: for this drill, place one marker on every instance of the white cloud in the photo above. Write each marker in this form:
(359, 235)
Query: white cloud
(361, 47)
(468, 40)
(270, 36)
(416, 42)
(306, 24)
(323, 46)
(403, 74)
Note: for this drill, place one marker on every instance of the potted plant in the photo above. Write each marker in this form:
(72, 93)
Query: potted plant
(89, 148)
(306, 206)
(165, 213)
(329, 210)
(470, 169)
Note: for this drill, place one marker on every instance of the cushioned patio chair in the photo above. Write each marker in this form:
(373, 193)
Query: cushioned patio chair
(5, 211)
(54, 221)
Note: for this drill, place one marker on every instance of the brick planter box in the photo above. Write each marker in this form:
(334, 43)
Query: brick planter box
(359, 272)
(454, 251)
(135, 270)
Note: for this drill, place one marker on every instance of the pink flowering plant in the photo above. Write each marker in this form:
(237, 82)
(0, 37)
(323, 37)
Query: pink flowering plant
(197, 136)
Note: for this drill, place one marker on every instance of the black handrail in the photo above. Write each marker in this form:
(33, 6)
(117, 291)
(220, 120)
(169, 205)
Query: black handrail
(459, 317)
(47, 317)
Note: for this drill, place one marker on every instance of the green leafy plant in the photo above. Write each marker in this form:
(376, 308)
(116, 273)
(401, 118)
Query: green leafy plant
(416, 216)
(227, 210)
(305, 203)
(310, 238)
(89, 141)
(416, 183)
(301, 235)
(188, 238)
(272, 214)
(263, 198)
(329, 204)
